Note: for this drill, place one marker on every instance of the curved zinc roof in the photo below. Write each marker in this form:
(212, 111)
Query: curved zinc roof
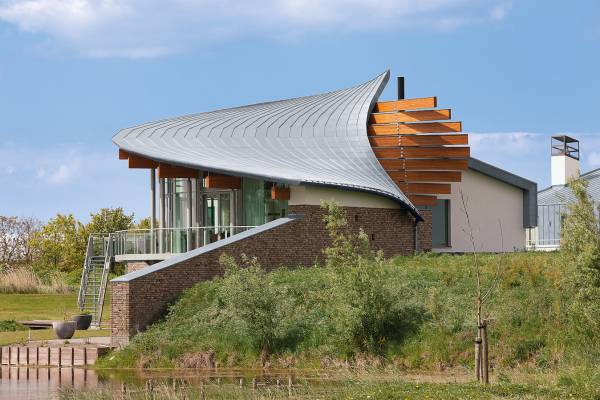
(320, 139)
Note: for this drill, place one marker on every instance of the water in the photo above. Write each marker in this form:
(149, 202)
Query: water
(42, 383)
(46, 383)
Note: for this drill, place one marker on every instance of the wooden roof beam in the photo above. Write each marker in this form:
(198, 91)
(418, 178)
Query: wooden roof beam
(425, 176)
(410, 116)
(420, 200)
(175, 171)
(425, 165)
(422, 127)
(419, 140)
(141, 162)
(422, 152)
(425, 188)
(220, 181)
(405, 104)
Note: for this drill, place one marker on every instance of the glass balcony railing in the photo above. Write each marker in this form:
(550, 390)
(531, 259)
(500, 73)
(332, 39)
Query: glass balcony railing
(163, 240)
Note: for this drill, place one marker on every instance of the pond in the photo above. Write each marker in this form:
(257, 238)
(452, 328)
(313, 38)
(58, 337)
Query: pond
(42, 383)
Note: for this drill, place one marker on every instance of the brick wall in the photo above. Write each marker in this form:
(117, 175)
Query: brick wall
(135, 265)
(137, 303)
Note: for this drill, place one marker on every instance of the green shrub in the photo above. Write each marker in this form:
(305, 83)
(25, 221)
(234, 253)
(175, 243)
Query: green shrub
(413, 311)
(11, 326)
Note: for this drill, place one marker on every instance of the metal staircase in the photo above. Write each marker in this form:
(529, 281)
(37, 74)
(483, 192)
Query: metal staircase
(97, 265)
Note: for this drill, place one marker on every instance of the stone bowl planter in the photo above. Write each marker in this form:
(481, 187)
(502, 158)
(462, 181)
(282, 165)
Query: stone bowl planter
(64, 329)
(82, 321)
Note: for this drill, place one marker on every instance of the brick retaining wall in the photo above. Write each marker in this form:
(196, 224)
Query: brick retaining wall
(138, 302)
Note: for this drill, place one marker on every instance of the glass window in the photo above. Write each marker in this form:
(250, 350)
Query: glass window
(274, 208)
(440, 224)
(253, 195)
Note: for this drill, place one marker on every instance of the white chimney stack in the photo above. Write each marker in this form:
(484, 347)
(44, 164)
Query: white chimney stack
(565, 159)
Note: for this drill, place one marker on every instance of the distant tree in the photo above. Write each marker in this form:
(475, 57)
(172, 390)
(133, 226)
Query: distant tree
(143, 224)
(59, 245)
(15, 237)
(108, 220)
(581, 247)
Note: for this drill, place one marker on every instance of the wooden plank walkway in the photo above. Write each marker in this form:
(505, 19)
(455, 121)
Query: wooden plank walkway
(60, 356)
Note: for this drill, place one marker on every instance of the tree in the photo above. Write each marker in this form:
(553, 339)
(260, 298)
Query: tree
(15, 237)
(59, 245)
(144, 223)
(581, 248)
(482, 296)
(108, 220)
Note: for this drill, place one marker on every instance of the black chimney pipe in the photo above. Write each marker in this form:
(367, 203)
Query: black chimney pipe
(400, 87)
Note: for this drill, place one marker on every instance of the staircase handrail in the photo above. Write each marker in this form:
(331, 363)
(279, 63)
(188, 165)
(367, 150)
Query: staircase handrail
(108, 254)
(86, 261)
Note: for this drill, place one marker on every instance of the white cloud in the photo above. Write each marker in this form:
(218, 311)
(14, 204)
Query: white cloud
(528, 154)
(62, 172)
(151, 28)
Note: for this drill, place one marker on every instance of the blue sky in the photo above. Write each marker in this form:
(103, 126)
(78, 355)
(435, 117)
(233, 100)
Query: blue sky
(73, 72)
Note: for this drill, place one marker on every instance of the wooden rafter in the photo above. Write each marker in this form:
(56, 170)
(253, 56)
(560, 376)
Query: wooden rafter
(219, 181)
(421, 127)
(425, 165)
(175, 171)
(425, 188)
(141, 162)
(421, 150)
(424, 176)
(279, 193)
(405, 104)
(419, 140)
(123, 155)
(409, 116)
(420, 200)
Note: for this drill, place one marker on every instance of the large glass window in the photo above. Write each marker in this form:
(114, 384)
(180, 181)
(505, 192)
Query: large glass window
(258, 206)
(253, 194)
(440, 224)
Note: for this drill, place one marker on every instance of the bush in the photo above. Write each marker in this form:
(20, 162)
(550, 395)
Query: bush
(11, 326)
(360, 309)
(581, 248)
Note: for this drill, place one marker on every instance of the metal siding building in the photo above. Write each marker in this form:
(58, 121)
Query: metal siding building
(318, 140)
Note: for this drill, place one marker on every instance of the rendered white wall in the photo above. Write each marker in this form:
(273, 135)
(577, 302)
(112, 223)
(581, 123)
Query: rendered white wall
(488, 200)
(313, 195)
(563, 168)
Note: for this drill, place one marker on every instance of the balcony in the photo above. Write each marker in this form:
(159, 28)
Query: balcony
(159, 243)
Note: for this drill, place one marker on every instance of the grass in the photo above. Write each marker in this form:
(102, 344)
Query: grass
(22, 307)
(431, 320)
(18, 337)
(24, 280)
(352, 388)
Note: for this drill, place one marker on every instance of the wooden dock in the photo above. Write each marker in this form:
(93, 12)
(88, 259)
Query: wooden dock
(59, 356)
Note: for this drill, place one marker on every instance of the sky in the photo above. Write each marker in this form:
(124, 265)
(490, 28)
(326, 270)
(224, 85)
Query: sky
(74, 72)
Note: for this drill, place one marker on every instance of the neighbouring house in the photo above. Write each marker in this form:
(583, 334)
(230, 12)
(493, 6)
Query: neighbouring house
(250, 180)
(553, 201)
(502, 207)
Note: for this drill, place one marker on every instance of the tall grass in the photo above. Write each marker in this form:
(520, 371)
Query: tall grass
(25, 281)
(349, 388)
(429, 322)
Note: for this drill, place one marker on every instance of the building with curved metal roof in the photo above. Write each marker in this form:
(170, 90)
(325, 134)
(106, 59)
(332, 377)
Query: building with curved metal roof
(317, 140)
(251, 180)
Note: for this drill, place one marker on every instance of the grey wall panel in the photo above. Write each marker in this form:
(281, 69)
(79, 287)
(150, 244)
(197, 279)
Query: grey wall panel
(319, 139)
